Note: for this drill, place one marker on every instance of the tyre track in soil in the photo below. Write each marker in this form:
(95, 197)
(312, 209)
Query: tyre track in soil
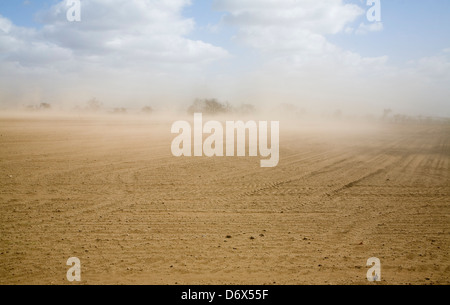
(326, 169)
(370, 221)
(331, 168)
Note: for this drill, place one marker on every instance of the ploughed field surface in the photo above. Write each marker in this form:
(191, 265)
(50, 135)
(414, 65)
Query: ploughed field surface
(109, 191)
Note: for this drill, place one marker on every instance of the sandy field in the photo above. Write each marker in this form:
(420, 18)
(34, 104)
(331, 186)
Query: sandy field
(109, 191)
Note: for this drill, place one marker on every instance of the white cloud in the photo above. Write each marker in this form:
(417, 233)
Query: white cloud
(434, 69)
(323, 17)
(371, 27)
(133, 51)
(301, 65)
(290, 28)
(129, 42)
(5, 25)
(148, 30)
(287, 24)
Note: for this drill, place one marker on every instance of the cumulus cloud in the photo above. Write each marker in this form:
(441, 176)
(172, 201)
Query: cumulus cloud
(292, 30)
(301, 65)
(115, 39)
(5, 25)
(287, 24)
(147, 30)
(323, 17)
(371, 27)
(436, 68)
(130, 52)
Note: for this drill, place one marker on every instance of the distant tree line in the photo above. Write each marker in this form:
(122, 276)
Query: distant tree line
(214, 107)
(40, 107)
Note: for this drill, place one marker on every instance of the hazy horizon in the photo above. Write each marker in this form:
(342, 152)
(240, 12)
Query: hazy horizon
(319, 56)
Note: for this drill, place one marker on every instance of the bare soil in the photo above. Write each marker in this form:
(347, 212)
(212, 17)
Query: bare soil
(109, 192)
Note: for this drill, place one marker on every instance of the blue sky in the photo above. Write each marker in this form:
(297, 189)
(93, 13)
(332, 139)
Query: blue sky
(237, 50)
(22, 12)
(413, 28)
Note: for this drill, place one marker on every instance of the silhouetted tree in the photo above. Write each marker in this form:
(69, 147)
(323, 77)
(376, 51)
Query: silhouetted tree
(120, 110)
(337, 114)
(45, 106)
(94, 105)
(209, 106)
(386, 113)
(147, 110)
